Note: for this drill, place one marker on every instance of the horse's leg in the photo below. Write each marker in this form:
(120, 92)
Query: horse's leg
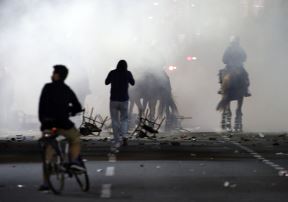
(152, 106)
(223, 120)
(139, 106)
(229, 116)
(145, 104)
(131, 106)
(161, 107)
(226, 118)
(168, 114)
(238, 119)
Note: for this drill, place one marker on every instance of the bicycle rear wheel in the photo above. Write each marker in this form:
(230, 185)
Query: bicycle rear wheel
(54, 171)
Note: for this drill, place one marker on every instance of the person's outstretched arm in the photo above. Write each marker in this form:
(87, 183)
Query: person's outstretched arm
(76, 106)
(131, 79)
(108, 79)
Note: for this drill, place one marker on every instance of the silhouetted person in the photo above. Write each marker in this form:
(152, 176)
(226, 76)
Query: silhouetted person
(57, 103)
(234, 57)
(120, 78)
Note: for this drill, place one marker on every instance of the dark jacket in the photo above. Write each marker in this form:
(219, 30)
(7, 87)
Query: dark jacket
(57, 103)
(119, 80)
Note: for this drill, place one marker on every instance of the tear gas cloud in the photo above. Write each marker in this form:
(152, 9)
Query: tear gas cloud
(90, 36)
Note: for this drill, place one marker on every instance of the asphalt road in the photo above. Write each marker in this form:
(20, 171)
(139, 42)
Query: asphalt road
(241, 168)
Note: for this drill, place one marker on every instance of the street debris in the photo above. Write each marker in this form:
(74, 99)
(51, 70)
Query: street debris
(281, 154)
(233, 185)
(283, 173)
(229, 185)
(261, 135)
(183, 136)
(226, 184)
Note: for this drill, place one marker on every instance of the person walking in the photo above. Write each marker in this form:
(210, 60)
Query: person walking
(119, 78)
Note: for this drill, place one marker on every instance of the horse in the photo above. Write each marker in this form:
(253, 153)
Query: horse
(152, 89)
(234, 87)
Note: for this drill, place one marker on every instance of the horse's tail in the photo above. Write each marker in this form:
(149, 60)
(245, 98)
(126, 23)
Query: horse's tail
(167, 102)
(174, 106)
(224, 102)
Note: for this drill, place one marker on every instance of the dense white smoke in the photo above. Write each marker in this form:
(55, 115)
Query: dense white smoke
(90, 36)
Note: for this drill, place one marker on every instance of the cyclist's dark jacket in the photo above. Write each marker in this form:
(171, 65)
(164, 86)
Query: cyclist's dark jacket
(57, 103)
(119, 80)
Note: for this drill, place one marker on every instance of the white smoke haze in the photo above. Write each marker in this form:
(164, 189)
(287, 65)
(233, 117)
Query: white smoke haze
(91, 36)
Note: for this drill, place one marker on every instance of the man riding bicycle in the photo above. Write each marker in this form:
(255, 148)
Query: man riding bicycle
(57, 103)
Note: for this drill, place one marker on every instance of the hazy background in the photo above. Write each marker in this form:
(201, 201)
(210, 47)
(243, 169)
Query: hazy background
(90, 36)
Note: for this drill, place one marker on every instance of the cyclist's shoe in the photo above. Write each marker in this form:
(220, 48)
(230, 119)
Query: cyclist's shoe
(44, 188)
(77, 166)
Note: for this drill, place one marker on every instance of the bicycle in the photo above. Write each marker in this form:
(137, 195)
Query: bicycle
(56, 162)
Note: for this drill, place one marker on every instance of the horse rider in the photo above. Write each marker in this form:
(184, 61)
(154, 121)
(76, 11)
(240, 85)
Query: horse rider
(234, 57)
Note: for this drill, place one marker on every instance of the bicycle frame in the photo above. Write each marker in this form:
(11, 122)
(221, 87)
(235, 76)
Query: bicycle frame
(62, 164)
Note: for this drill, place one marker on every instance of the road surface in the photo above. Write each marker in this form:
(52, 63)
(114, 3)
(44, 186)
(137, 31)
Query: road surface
(215, 168)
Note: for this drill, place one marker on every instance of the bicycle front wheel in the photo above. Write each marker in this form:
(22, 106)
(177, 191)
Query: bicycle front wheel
(54, 170)
(83, 181)
(82, 178)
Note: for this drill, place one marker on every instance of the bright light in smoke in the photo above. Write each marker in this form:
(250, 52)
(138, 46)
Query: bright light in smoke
(190, 58)
(172, 68)
(156, 4)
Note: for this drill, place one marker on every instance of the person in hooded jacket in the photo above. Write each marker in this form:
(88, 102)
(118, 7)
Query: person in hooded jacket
(119, 78)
